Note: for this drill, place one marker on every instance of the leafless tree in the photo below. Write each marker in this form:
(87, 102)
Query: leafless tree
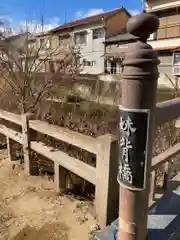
(22, 58)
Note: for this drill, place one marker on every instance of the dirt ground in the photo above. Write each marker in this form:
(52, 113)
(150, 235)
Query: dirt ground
(31, 209)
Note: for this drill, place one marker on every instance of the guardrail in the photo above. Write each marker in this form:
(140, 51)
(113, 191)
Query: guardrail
(103, 176)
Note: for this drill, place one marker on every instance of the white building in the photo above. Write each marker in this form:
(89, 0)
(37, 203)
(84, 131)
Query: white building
(90, 39)
(89, 35)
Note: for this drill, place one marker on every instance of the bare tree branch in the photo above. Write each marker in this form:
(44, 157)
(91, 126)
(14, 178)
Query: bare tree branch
(22, 64)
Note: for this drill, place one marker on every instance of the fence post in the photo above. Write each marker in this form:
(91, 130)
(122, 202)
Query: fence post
(136, 122)
(107, 189)
(153, 185)
(11, 149)
(166, 175)
(59, 177)
(30, 168)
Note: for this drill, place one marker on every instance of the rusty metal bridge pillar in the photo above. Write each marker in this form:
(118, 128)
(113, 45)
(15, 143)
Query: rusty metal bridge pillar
(136, 124)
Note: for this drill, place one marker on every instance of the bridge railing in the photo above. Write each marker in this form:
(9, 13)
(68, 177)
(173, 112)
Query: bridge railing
(103, 175)
(165, 111)
(105, 147)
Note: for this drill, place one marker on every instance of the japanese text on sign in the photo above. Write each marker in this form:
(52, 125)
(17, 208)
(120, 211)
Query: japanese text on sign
(133, 148)
(127, 127)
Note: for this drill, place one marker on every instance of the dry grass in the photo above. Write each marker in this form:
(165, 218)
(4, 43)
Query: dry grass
(30, 209)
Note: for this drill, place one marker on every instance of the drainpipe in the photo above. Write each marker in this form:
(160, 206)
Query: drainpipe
(105, 34)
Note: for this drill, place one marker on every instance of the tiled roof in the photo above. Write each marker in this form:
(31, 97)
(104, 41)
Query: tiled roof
(90, 19)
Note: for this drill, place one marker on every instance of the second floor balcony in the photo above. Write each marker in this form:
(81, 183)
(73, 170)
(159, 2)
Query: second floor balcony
(170, 31)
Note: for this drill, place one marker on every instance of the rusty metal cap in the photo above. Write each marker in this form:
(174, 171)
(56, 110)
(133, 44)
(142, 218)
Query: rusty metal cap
(141, 60)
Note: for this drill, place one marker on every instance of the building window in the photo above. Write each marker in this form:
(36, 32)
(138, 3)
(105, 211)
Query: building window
(42, 42)
(64, 43)
(86, 63)
(51, 67)
(93, 63)
(61, 42)
(176, 59)
(31, 45)
(45, 43)
(89, 63)
(98, 33)
(80, 38)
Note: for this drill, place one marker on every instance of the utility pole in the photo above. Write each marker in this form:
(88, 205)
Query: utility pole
(42, 23)
(143, 4)
(65, 17)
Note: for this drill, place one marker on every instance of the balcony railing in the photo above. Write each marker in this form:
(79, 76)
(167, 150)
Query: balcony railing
(114, 70)
(168, 32)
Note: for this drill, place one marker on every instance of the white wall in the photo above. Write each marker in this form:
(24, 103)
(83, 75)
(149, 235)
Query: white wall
(165, 68)
(98, 67)
(93, 50)
(164, 82)
(173, 42)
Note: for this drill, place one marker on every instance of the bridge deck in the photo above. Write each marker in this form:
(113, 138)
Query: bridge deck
(163, 218)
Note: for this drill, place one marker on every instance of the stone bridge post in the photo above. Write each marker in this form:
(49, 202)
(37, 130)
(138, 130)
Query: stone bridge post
(136, 126)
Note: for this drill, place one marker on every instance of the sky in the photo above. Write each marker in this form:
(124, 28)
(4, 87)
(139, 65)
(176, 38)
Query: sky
(56, 12)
